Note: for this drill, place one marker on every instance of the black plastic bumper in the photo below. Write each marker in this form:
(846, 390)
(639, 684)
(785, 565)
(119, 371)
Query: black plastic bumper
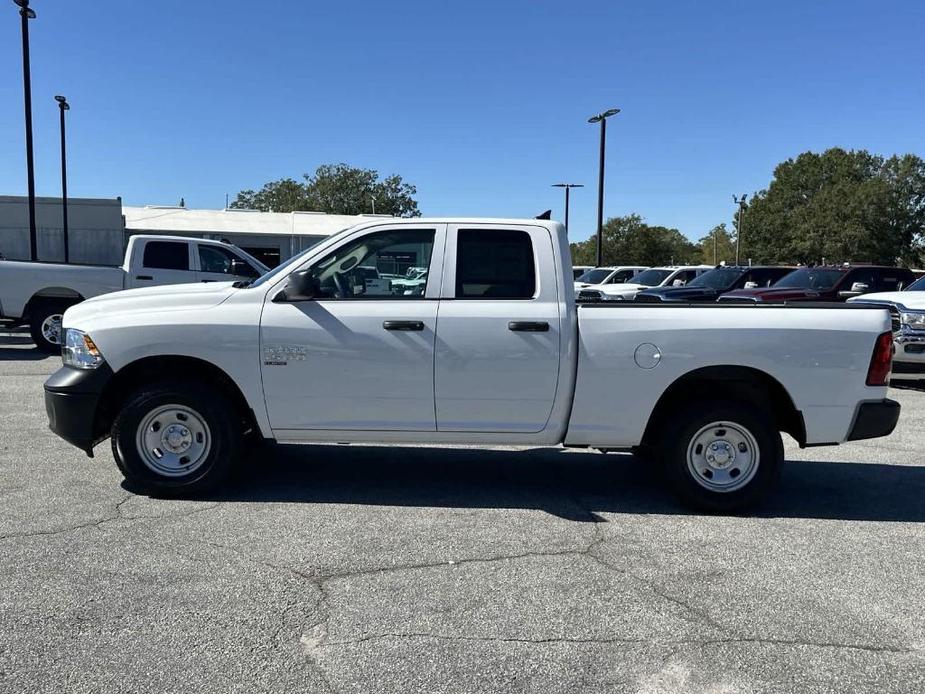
(71, 400)
(874, 419)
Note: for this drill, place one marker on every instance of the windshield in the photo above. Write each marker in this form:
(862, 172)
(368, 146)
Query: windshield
(718, 278)
(917, 286)
(652, 277)
(595, 276)
(811, 278)
(292, 262)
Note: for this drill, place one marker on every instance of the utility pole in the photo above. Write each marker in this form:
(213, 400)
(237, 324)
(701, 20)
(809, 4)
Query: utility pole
(602, 119)
(27, 13)
(740, 201)
(63, 106)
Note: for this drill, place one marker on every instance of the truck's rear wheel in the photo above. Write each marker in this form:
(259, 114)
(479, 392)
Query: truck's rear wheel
(722, 456)
(176, 439)
(45, 325)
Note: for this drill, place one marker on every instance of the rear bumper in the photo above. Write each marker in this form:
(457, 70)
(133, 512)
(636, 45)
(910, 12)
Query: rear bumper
(874, 419)
(72, 397)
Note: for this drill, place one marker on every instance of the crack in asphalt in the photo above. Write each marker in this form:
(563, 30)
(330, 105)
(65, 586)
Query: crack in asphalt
(116, 515)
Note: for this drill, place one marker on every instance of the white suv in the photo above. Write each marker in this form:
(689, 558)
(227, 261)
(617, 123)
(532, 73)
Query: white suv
(602, 276)
(668, 276)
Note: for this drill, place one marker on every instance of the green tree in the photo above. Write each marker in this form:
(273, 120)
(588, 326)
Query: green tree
(630, 241)
(839, 206)
(717, 246)
(335, 189)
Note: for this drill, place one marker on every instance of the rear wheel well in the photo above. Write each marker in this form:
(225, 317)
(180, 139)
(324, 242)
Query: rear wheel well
(151, 370)
(51, 295)
(740, 383)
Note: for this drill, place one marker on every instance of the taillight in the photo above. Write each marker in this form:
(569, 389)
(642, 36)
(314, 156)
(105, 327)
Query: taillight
(881, 362)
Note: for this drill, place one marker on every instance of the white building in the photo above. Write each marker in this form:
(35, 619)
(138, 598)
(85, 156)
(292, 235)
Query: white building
(98, 229)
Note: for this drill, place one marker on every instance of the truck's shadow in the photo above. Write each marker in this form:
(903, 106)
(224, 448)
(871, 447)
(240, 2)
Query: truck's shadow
(573, 485)
(18, 347)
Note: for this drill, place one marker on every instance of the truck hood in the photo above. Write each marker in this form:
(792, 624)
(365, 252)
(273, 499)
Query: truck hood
(172, 297)
(614, 289)
(913, 300)
(678, 294)
(773, 294)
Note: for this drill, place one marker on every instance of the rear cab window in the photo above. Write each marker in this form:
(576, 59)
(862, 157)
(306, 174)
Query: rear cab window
(495, 264)
(166, 255)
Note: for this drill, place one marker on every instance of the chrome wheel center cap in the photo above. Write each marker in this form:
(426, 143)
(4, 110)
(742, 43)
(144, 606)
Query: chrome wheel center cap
(177, 438)
(720, 454)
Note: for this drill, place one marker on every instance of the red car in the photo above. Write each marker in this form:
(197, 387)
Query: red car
(827, 283)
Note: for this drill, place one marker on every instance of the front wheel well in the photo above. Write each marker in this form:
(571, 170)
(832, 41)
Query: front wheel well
(740, 383)
(151, 370)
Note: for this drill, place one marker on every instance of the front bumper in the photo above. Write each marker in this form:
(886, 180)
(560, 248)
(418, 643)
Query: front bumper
(909, 358)
(874, 419)
(72, 397)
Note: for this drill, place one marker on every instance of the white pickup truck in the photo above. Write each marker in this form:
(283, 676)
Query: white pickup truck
(37, 294)
(907, 308)
(493, 349)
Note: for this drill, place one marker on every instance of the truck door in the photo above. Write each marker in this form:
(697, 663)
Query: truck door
(498, 326)
(360, 355)
(160, 262)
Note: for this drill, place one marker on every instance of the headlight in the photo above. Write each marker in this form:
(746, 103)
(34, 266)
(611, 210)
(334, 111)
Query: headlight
(612, 297)
(79, 350)
(914, 320)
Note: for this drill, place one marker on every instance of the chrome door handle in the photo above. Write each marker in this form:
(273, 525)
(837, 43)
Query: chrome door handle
(403, 325)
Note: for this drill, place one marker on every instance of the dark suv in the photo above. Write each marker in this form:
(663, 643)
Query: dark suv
(710, 285)
(827, 283)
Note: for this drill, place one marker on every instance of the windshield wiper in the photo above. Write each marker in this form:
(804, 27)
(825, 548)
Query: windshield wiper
(242, 284)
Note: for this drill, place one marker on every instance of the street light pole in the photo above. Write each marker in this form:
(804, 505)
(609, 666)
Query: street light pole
(27, 13)
(740, 201)
(63, 106)
(602, 119)
(568, 187)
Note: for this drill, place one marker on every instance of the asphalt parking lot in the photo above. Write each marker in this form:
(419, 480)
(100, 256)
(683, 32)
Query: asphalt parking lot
(415, 569)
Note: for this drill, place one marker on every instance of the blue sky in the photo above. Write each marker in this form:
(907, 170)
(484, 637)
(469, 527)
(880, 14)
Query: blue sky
(481, 105)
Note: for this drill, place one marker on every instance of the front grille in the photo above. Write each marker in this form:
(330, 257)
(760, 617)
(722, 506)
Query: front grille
(648, 298)
(589, 295)
(906, 367)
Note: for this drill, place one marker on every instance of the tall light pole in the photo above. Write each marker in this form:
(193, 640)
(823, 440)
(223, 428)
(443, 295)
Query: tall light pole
(63, 106)
(568, 187)
(740, 201)
(27, 13)
(602, 119)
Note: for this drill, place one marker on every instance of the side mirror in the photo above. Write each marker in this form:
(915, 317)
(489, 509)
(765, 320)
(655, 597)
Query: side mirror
(678, 283)
(751, 285)
(302, 286)
(857, 288)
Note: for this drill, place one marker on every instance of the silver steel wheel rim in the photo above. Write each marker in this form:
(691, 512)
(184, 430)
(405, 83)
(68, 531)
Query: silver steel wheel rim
(723, 457)
(51, 328)
(173, 440)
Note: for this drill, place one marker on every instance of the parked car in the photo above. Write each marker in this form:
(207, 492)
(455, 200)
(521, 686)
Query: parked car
(712, 284)
(827, 283)
(295, 356)
(601, 276)
(37, 294)
(907, 309)
(579, 270)
(669, 276)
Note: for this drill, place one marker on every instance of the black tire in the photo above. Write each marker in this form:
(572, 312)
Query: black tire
(217, 463)
(37, 315)
(677, 439)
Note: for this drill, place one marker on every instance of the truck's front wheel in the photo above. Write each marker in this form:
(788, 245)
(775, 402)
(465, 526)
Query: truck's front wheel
(176, 439)
(722, 456)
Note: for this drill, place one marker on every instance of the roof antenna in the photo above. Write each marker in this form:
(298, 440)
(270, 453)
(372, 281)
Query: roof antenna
(182, 202)
(545, 215)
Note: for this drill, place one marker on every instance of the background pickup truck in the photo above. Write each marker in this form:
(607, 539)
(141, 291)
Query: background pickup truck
(37, 294)
(492, 350)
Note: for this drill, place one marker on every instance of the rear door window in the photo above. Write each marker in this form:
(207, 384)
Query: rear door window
(166, 255)
(495, 264)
